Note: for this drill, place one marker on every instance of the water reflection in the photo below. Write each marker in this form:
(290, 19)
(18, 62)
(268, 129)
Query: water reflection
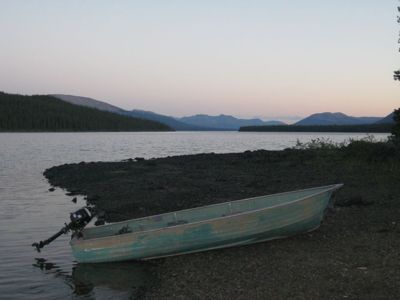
(134, 278)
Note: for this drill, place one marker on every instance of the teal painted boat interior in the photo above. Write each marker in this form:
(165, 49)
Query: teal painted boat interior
(209, 227)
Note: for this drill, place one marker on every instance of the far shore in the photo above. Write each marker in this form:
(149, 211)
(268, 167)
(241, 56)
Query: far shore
(366, 128)
(353, 255)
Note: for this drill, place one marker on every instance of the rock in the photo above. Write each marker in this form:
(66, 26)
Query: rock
(52, 189)
(92, 198)
(355, 200)
(73, 193)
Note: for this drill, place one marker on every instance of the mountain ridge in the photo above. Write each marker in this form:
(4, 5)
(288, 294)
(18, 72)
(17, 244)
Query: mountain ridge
(204, 122)
(170, 121)
(335, 118)
(190, 123)
(88, 102)
(226, 122)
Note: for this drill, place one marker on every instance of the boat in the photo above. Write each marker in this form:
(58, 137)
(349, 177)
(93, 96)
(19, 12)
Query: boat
(221, 225)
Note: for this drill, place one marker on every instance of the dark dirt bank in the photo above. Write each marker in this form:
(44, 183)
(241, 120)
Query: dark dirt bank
(355, 254)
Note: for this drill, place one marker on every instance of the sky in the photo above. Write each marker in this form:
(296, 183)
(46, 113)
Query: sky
(274, 59)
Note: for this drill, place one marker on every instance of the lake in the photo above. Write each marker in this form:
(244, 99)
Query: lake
(29, 212)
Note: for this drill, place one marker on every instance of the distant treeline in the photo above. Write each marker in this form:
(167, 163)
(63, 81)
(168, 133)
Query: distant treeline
(47, 113)
(369, 128)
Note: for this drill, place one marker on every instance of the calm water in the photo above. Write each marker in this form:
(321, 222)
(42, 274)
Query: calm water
(29, 212)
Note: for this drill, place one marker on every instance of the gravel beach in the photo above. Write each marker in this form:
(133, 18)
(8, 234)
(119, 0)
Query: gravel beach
(353, 255)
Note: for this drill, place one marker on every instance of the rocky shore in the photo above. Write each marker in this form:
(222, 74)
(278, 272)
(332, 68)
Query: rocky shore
(353, 255)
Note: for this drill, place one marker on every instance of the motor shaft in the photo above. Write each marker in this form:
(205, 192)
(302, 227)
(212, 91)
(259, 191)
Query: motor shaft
(41, 244)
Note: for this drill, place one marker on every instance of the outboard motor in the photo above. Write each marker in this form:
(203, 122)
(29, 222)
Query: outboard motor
(79, 219)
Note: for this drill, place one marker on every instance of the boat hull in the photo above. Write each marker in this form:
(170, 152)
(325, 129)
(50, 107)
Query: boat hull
(249, 227)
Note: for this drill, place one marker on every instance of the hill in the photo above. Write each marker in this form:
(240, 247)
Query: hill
(47, 113)
(389, 119)
(225, 122)
(89, 102)
(191, 123)
(328, 118)
(170, 121)
(142, 114)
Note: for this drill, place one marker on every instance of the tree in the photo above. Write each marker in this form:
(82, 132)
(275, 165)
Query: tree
(396, 126)
(396, 114)
(396, 74)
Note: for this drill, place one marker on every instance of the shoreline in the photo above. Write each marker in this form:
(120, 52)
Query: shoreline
(354, 253)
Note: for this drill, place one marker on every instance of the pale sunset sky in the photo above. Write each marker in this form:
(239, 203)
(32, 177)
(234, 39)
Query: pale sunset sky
(275, 59)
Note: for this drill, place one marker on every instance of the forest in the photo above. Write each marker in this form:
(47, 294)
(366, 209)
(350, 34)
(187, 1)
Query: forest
(47, 113)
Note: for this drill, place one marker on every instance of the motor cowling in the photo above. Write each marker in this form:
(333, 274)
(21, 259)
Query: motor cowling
(80, 218)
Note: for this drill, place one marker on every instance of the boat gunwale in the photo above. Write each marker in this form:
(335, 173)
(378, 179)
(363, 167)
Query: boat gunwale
(333, 187)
